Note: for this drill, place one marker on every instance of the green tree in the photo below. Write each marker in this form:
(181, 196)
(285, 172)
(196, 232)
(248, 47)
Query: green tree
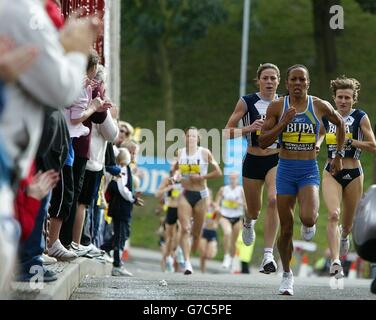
(325, 41)
(163, 29)
(367, 5)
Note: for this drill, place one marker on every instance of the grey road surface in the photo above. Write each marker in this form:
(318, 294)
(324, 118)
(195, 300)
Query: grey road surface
(217, 284)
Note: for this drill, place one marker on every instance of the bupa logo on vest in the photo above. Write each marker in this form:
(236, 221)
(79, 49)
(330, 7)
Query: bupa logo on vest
(301, 127)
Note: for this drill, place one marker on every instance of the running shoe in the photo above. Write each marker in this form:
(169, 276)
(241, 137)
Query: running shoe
(307, 233)
(226, 261)
(268, 265)
(170, 264)
(180, 257)
(287, 284)
(248, 233)
(188, 268)
(235, 265)
(336, 269)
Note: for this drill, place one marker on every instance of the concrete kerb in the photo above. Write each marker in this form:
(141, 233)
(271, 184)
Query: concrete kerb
(69, 277)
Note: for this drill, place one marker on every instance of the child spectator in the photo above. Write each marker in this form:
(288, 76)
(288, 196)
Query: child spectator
(120, 209)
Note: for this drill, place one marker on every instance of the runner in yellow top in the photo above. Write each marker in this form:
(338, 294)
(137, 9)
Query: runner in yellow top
(171, 191)
(208, 242)
(296, 119)
(193, 163)
(231, 202)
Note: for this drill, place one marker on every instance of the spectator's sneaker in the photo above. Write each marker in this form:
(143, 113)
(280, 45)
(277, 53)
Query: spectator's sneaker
(170, 264)
(93, 250)
(121, 272)
(48, 276)
(268, 264)
(226, 261)
(79, 250)
(344, 246)
(373, 286)
(188, 268)
(336, 269)
(248, 233)
(307, 233)
(287, 284)
(108, 258)
(100, 259)
(47, 260)
(58, 251)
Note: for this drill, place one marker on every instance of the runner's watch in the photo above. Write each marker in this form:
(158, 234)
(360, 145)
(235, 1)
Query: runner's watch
(349, 142)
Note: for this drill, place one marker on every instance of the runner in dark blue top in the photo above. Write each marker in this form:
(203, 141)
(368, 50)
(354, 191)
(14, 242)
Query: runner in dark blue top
(346, 187)
(259, 166)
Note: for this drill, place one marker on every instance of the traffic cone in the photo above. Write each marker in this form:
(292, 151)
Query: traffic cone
(303, 270)
(352, 272)
(125, 255)
(235, 263)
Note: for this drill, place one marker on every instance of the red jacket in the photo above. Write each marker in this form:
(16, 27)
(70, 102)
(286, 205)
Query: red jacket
(26, 207)
(55, 14)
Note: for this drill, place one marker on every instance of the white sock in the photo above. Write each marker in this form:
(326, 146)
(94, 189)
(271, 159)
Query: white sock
(268, 251)
(249, 221)
(286, 274)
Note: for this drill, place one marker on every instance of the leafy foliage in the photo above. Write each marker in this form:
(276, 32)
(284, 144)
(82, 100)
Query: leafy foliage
(367, 5)
(177, 22)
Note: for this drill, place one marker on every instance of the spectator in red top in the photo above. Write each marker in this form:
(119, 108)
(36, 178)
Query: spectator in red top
(53, 9)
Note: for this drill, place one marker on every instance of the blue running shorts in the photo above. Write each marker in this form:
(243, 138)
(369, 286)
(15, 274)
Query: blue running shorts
(292, 175)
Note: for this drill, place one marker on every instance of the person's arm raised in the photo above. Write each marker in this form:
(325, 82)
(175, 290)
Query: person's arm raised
(232, 131)
(217, 171)
(368, 143)
(218, 199)
(334, 117)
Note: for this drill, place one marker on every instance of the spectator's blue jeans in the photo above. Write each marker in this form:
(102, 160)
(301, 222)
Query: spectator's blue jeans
(10, 230)
(91, 218)
(31, 249)
(2, 100)
(98, 226)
